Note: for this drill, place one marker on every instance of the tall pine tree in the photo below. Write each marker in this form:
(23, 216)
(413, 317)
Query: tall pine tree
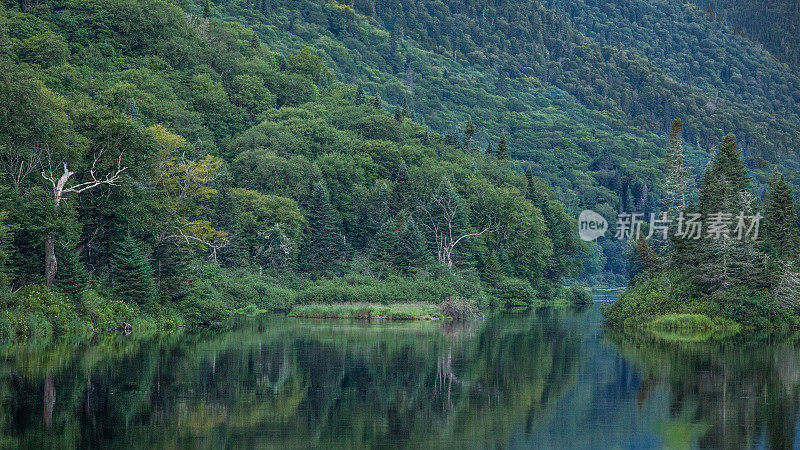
(502, 148)
(780, 236)
(325, 245)
(131, 274)
(678, 180)
(72, 277)
(412, 251)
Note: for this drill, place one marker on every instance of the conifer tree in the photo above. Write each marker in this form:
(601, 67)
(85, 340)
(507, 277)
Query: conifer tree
(5, 255)
(780, 235)
(412, 251)
(380, 213)
(398, 114)
(469, 134)
(648, 261)
(489, 149)
(402, 190)
(325, 244)
(130, 108)
(502, 148)
(725, 179)
(384, 245)
(72, 277)
(131, 274)
(376, 102)
(678, 181)
(360, 100)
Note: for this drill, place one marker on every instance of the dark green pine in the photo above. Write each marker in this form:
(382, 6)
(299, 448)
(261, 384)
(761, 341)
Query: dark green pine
(131, 274)
(325, 245)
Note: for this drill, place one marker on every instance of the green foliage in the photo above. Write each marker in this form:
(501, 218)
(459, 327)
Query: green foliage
(515, 292)
(72, 277)
(325, 244)
(781, 239)
(131, 274)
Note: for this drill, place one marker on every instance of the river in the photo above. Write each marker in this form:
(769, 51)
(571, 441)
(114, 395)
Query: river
(542, 379)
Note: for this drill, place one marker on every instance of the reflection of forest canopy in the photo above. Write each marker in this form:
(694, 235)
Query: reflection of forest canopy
(283, 383)
(729, 393)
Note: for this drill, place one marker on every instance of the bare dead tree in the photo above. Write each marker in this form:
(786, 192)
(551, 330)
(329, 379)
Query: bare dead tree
(215, 241)
(17, 165)
(442, 213)
(60, 187)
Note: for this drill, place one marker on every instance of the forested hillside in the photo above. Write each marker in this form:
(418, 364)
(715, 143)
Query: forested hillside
(165, 165)
(584, 91)
(775, 24)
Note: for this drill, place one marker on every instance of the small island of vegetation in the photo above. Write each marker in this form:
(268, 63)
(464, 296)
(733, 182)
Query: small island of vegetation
(716, 282)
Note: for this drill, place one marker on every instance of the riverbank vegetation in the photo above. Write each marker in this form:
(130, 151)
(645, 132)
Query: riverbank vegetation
(747, 274)
(163, 168)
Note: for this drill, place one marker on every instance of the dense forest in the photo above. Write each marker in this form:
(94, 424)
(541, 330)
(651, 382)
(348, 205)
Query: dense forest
(774, 24)
(585, 90)
(737, 266)
(163, 165)
(177, 160)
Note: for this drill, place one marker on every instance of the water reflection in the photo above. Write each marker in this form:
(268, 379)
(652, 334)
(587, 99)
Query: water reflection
(543, 379)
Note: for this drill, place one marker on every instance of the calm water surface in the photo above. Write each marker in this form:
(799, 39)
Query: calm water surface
(542, 379)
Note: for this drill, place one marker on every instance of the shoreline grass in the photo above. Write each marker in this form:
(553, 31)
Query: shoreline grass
(368, 311)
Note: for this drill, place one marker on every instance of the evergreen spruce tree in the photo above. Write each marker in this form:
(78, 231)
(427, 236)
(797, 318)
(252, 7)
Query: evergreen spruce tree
(402, 190)
(130, 108)
(383, 248)
(254, 42)
(502, 148)
(72, 277)
(398, 114)
(173, 276)
(490, 272)
(412, 252)
(426, 138)
(380, 213)
(725, 179)
(678, 178)
(5, 255)
(325, 246)
(360, 99)
(779, 233)
(376, 102)
(405, 110)
(469, 134)
(489, 149)
(131, 274)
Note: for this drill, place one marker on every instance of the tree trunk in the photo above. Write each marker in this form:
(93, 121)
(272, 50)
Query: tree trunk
(49, 401)
(50, 262)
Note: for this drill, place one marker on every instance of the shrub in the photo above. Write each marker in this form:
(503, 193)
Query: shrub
(575, 295)
(749, 307)
(458, 308)
(515, 292)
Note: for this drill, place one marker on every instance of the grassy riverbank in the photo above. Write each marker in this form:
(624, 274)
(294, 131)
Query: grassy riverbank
(369, 311)
(37, 312)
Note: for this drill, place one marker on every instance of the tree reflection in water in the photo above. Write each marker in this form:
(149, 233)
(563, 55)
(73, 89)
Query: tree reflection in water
(275, 381)
(545, 378)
